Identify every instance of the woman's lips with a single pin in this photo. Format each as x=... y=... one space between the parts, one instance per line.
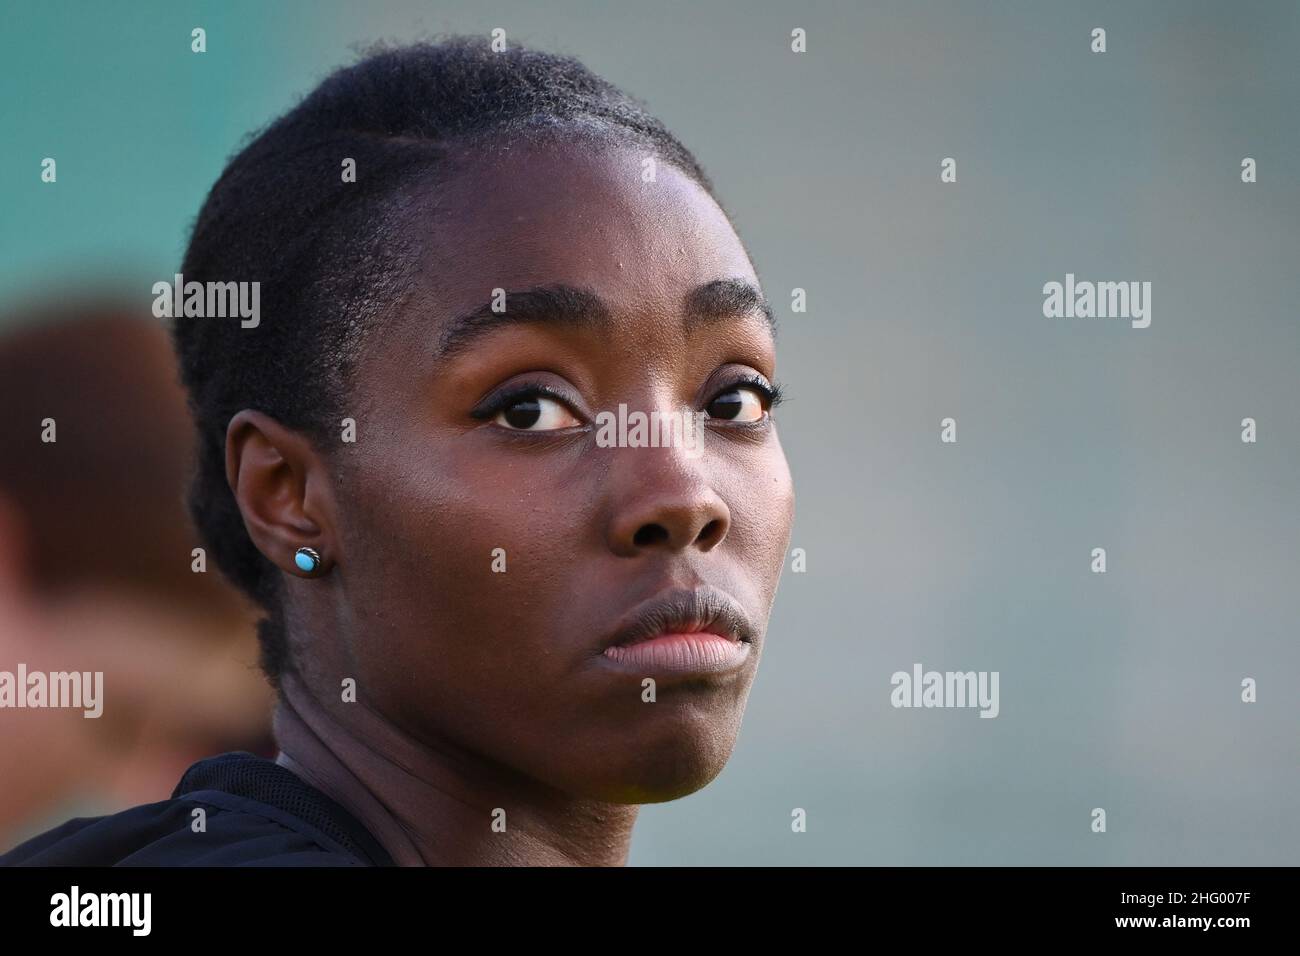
x=699 y=652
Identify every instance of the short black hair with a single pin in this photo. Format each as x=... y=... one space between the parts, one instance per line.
x=327 y=262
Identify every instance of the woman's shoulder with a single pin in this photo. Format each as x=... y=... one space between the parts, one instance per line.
x=235 y=809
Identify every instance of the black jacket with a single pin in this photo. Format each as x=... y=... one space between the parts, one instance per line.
x=255 y=813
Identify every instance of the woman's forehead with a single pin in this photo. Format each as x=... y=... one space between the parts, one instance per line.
x=566 y=214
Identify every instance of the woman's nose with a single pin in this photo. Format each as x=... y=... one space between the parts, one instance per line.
x=668 y=505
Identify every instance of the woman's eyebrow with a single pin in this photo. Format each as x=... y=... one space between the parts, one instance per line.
x=560 y=304
x=724 y=299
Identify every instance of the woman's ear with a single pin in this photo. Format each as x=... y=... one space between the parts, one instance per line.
x=283 y=490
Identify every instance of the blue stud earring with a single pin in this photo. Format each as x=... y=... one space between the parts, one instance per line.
x=307 y=559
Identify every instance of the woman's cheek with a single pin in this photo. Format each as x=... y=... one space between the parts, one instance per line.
x=765 y=490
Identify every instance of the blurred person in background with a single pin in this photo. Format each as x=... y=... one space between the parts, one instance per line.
x=96 y=573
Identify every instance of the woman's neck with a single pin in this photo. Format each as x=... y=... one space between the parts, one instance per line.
x=439 y=808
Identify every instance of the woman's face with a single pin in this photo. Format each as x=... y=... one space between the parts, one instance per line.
x=490 y=545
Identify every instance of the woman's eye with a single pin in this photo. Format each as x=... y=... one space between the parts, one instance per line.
x=740 y=404
x=536 y=413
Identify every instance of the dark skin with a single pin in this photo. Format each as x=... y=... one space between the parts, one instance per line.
x=478 y=690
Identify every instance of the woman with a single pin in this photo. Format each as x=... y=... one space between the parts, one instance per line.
x=492 y=635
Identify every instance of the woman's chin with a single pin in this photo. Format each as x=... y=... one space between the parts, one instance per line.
x=671 y=770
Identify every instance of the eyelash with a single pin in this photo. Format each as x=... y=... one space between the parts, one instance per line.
x=773 y=394
x=517 y=393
